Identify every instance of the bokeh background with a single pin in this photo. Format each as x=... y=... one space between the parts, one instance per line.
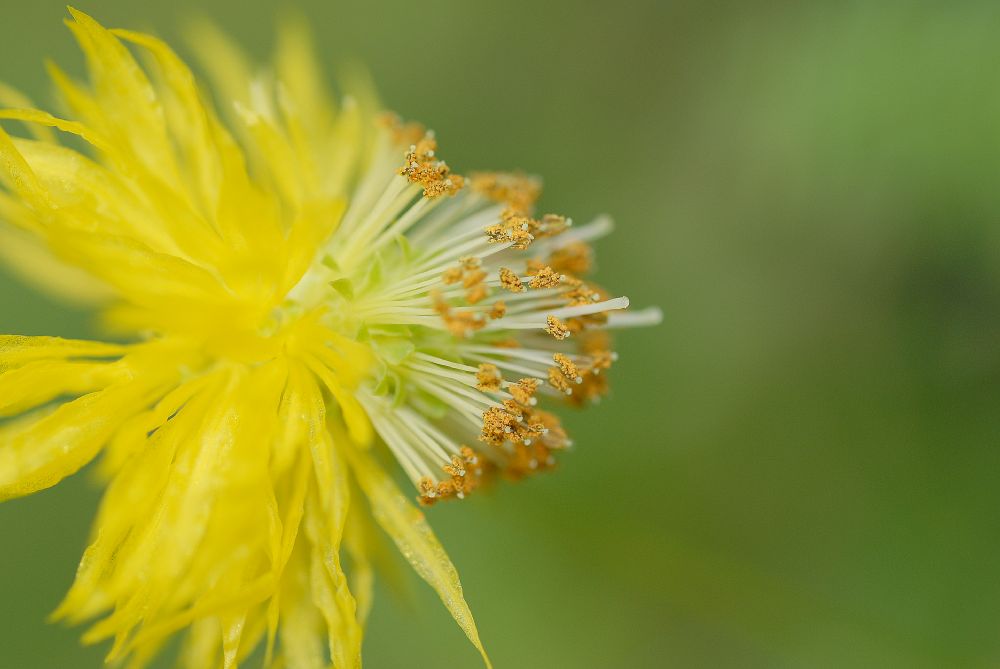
x=799 y=467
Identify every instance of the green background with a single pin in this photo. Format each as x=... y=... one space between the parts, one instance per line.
x=799 y=467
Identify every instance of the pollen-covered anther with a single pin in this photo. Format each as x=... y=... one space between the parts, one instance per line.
x=452 y=275
x=422 y=167
x=556 y=328
x=428 y=491
x=456 y=467
x=403 y=132
x=528 y=459
x=559 y=381
x=555 y=435
x=515 y=228
x=488 y=378
x=582 y=294
x=471 y=457
x=497 y=426
x=511 y=281
x=458 y=323
x=477 y=294
x=509 y=342
x=592 y=389
x=473 y=277
x=576 y=258
x=517 y=191
x=465 y=473
x=551 y=225
x=498 y=311
x=533 y=266
x=546 y=277
x=524 y=390
x=600 y=360
x=524 y=429
x=515 y=410
x=568 y=367
x=596 y=343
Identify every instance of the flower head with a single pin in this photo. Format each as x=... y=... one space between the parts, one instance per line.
x=306 y=285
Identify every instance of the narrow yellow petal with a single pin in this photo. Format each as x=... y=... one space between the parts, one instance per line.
x=326 y=513
x=301 y=624
x=193 y=125
x=406 y=525
x=16 y=174
x=362 y=572
x=10 y=97
x=201 y=645
x=41 y=381
x=125 y=94
x=47 y=120
x=32 y=262
x=37 y=454
x=232 y=633
x=355 y=417
x=16 y=350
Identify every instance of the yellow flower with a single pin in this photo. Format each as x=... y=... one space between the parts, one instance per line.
x=307 y=289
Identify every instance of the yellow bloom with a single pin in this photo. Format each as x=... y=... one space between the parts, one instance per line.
x=307 y=288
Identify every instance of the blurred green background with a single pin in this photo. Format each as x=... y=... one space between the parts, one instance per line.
x=799 y=468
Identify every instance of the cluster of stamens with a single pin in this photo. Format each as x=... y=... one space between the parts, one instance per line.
x=520 y=230
x=523 y=436
x=422 y=167
x=518 y=191
x=488 y=374
x=465 y=474
x=402 y=132
x=471 y=275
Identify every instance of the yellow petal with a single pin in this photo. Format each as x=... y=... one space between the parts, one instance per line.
x=124 y=93
x=32 y=262
x=17 y=350
x=37 y=454
x=41 y=381
x=406 y=525
x=362 y=572
x=326 y=513
x=201 y=645
x=301 y=624
x=41 y=449
x=10 y=97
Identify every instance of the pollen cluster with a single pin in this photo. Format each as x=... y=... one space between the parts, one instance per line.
x=422 y=166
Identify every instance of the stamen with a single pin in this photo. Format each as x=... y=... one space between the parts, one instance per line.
x=422 y=167
x=567 y=367
x=517 y=191
x=523 y=391
x=546 y=277
x=576 y=258
x=556 y=328
x=488 y=378
x=409 y=132
x=559 y=381
x=510 y=281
